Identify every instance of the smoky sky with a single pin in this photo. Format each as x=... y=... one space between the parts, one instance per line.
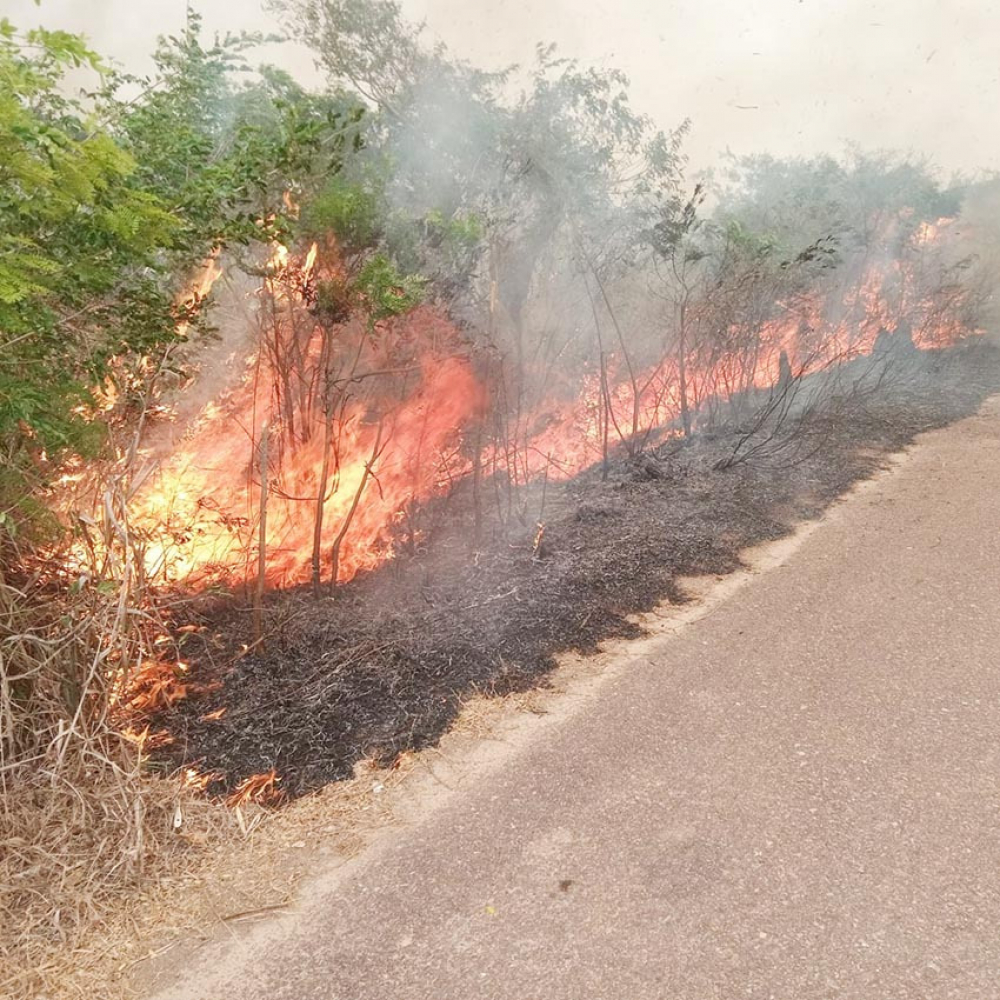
x=779 y=76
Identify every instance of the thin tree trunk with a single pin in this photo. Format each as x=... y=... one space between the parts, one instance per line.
x=605 y=414
x=632 y=442
x=258 y=601
x=477 y=485
x=338 y=541
x=682 y=373
x=324 y=475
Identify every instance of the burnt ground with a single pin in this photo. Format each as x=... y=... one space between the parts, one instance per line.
x=385 y=664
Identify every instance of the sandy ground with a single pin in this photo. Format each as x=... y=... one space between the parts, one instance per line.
x=789 y=790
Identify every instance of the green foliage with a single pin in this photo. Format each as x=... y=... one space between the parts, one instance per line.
x=218 y=156
x=474 y=165
x=461 y=232
x=862 y=200
x=366 y=46
x=385 y=292
x=674 y=223
x=335 y=301
x=77 y=244
x=349 y=211
x=108 y=204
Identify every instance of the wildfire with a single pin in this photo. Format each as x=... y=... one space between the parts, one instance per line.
x=313 y=463
x=199 y=780
x=360 y=426
x=201 y=287
x=562 y=438
x=363 y=424
x=205 y=496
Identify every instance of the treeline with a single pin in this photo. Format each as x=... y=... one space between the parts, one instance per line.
x=499 y=194
x=533 y=205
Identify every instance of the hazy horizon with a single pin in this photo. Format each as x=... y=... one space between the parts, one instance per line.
x=790 y=77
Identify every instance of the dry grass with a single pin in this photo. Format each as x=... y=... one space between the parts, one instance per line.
x=74 y=848
x=244 y=865
x=81 y=823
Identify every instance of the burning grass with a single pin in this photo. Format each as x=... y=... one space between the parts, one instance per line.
x=334 y=426
x=384 y=666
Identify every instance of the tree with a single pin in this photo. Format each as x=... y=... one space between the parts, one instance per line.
x=80 y=260
x=108 y=204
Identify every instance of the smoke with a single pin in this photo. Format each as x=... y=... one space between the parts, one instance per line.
x=791 y=78
x=975 y=248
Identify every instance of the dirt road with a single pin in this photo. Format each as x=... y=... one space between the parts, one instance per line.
x=795 y=797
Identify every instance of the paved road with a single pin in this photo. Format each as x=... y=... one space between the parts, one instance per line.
x=796 y=797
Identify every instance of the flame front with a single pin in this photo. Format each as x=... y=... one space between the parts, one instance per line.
x=363 y=422
x=394 y=439
x=562 y=436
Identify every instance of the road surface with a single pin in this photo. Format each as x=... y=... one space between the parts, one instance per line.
x=795 y=797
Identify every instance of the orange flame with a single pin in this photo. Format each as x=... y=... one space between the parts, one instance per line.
x=396 y=439
x=340 y=482
x=259 y=788
x=210 y=274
